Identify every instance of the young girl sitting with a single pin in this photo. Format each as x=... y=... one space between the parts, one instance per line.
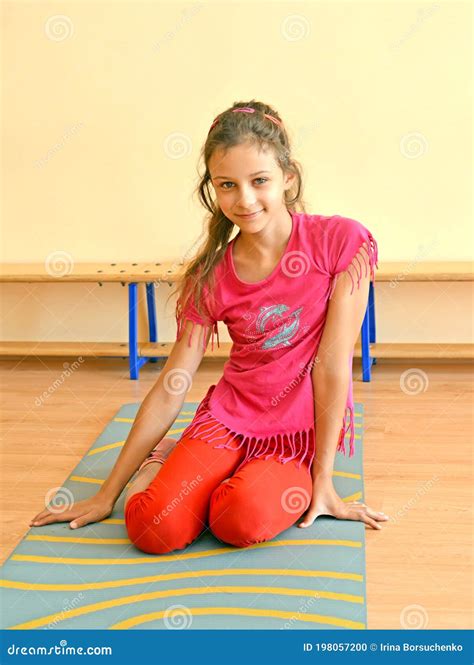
x=292 y=289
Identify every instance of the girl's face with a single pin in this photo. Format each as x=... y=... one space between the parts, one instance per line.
x=246 y=180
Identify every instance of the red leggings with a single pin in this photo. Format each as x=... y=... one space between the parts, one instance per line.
x=187 y=495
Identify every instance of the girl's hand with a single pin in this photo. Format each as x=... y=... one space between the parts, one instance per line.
x=326 y=501
x=84 y=512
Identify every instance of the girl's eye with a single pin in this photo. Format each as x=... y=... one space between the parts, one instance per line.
x=230 y=183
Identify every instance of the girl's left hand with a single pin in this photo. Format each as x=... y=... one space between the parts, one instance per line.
x=326 y=501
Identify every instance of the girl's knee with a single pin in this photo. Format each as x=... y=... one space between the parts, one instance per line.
x=238 y=519
x=154 y=531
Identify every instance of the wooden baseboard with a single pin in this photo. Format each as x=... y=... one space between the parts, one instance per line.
x=426 y=350
x=163 y=349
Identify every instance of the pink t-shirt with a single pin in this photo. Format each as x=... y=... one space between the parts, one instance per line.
x=265 y=396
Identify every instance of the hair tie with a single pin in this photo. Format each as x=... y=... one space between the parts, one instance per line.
x=246 y=109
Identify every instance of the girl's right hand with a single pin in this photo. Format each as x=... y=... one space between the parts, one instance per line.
x=94 y=509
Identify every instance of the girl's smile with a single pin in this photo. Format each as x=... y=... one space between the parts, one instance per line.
x=251 y=215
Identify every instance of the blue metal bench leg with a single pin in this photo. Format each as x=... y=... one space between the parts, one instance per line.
x=152 y=327
x=364 y=338
x=133 y=330
x=135 y=362
x=372 y=329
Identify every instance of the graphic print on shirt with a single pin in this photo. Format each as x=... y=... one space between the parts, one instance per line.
x=268 y=318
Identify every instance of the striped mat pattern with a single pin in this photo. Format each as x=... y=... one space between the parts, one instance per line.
x=94 y=578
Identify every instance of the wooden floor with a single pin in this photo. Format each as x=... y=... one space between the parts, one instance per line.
x=418 y=455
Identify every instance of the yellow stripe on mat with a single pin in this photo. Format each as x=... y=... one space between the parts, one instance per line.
x=346 y=474
x=240 y=611
x=100 y=481
x=353 y=497
x=36 y=558
x=191 y=591
x=101 y=449
x=130 y=581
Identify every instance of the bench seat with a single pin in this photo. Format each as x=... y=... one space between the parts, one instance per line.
x=153 y=273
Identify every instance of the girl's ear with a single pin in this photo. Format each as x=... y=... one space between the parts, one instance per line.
x=289 y=179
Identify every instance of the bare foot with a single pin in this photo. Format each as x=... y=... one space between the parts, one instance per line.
x=143 y=479
x=147 y=473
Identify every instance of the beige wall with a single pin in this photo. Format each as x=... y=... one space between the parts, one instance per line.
x=105 y=108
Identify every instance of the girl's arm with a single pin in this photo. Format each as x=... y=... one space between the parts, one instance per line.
x=156 y=415
x=158 y=410
x=331 y=375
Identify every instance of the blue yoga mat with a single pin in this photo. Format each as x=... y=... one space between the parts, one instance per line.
x=58 y=578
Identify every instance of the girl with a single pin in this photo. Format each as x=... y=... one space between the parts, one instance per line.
x=260 y=449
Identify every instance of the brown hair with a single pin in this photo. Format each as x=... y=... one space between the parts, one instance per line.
x=230 y=130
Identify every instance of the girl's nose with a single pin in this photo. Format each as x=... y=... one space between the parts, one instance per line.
x=247 y=200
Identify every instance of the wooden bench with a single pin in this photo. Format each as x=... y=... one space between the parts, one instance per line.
x=166 y=272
